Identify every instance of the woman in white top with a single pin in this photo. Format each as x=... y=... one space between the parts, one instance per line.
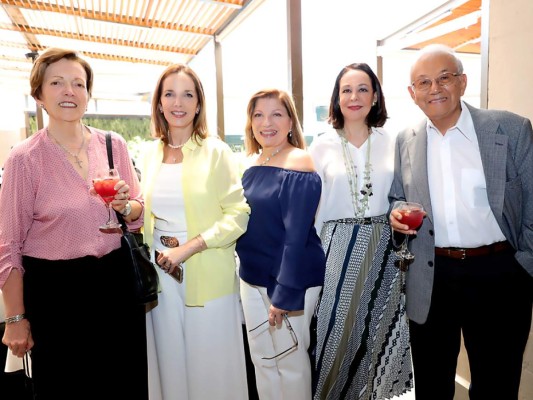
x=195 y=210
x=362 y=335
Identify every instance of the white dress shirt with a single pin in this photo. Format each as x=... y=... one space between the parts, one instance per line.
x=461 y=212
x=336 y=200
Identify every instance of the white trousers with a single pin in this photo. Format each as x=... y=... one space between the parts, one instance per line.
x=287 y=377
x=195 y=353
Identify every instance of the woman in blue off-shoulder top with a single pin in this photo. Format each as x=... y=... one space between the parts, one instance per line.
x=282 y=263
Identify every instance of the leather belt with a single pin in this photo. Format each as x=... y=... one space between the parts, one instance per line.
x=461 y=254
x=169 y=241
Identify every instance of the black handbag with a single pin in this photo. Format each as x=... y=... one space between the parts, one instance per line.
x=145 y=278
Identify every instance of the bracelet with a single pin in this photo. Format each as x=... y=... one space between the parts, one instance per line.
x=127 y=210
x=201 y=248
x=15 y=318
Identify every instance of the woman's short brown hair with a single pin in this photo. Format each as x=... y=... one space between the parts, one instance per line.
x=51 y=56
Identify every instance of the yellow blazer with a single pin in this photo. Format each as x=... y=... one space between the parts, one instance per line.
x=215 y=208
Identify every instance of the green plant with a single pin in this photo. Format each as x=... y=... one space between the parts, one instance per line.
x=129 y=126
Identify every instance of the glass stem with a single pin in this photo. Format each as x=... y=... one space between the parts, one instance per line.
x=403 y=247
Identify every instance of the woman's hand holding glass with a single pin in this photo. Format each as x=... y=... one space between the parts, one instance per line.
x=114 y=192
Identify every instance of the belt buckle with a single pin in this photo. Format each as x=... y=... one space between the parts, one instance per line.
x=169 y=241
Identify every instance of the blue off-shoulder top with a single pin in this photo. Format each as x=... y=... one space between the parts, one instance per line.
x=280 y=249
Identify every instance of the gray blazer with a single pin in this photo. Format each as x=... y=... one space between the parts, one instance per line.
x=506 y=146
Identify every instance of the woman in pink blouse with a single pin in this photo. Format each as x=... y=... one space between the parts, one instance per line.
x=64 y=283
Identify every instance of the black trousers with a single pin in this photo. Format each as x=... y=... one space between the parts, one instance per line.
x=489 y=300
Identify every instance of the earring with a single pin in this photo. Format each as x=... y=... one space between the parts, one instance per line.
x=41 y=105
x=290 y=134
x=161 y=109
x=374 y=103
x=197 y=110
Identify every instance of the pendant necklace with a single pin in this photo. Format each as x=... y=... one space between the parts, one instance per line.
x=360 y=204
x=270 y=157
x=173 y=146
x=174 y=159
x=77 y=155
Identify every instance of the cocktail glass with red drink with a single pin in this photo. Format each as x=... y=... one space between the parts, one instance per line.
x=104 y=185
x=412 y=216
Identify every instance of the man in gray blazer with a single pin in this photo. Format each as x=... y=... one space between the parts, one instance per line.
x=472 y=170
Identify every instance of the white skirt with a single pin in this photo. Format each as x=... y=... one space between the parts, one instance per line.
x=194 y=353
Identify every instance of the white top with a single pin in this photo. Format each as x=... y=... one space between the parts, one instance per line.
x=461 y=212
x=168 y=205
x=336 y=201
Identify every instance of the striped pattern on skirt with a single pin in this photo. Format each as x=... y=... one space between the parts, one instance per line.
x=363 y=349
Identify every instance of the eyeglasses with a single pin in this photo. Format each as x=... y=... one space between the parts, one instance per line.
x=443 y=80
x=291 y=331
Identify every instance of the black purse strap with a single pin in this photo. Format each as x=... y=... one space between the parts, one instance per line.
x=109 y=150
x=109 y=147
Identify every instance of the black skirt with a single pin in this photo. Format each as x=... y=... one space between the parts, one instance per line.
x=88 y=329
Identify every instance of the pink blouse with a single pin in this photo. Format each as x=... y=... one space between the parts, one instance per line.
x=46 y=210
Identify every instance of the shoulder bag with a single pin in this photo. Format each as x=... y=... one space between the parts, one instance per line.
x=145 y=278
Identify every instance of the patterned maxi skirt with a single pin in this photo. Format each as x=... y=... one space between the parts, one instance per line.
x=363 y=349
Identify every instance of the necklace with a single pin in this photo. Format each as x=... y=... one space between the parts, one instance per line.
x=175 y=159
x=179 y=146
x=77 y=155
x=270 y=157
x=173 y=146
x=360 y=205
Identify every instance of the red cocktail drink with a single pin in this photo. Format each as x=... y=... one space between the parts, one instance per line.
x=412 y=217
x=106 y=188
x=104 y=185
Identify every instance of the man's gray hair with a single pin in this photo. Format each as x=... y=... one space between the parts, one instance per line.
x=442 y=49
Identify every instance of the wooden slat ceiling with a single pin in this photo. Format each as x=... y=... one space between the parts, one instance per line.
x=157 y=32
x=456 y=24
x=163 y=32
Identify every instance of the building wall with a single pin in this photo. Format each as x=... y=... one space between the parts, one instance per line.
x=12 y=122
x=510 y=82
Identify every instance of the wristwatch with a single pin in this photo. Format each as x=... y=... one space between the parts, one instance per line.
x=127 y=210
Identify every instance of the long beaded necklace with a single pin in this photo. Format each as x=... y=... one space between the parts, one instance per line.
x=76 y=156
x=270 y=157
x=360 y=205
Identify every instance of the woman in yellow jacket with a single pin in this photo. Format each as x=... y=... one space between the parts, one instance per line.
x=194 y=212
